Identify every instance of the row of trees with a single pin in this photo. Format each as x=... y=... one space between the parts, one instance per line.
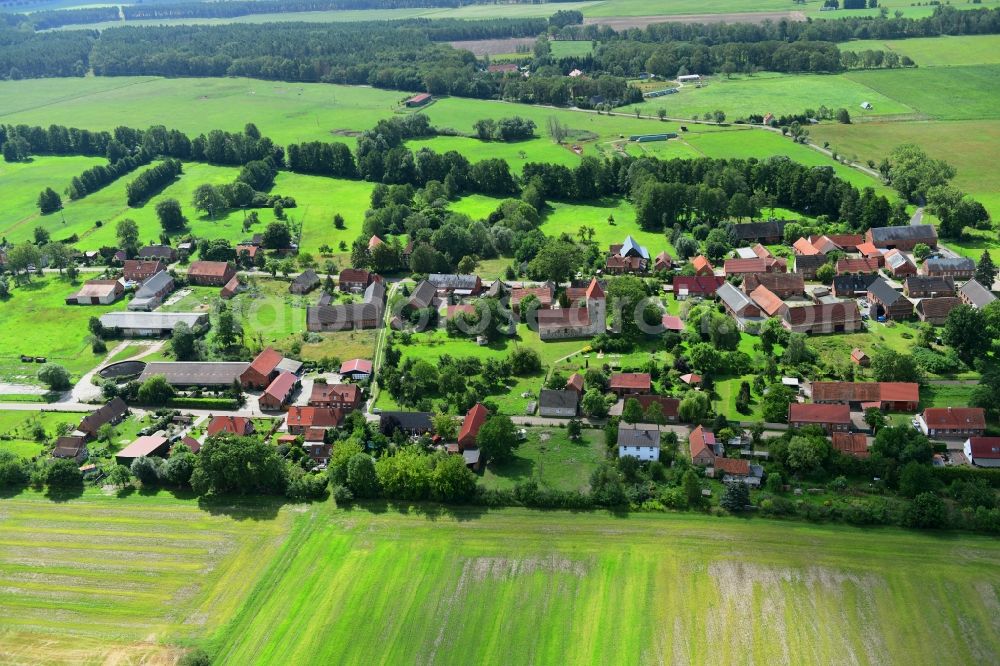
x=151 y=181
x=100 y=176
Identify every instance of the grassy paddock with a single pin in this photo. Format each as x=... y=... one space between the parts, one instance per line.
x=57 y=330
x=551 y=459
x=940 y=51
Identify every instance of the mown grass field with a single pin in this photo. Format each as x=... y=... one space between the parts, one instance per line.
x=775 y=93
x=940 y=51
x=36 y=321
x=968 y=145
x=953 y=93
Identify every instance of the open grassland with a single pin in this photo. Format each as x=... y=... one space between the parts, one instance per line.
x=969 y=145
x=93 y=219
x=107 y=580
x=953 y=93
x=937 y=51
x=36 y=321
x=779 y=94
x=102 y=579
x=551 y=459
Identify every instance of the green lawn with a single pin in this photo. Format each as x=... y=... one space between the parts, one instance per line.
x=775 y=93
x=35 y=320
x=549 y=458
x=936 y=395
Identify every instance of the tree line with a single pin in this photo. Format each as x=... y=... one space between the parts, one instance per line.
x=100 y=176
x=151 y=181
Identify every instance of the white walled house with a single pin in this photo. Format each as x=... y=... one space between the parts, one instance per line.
x=639 y=441
x=983 y=451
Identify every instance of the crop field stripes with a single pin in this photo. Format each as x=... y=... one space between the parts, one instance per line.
x=86 y=570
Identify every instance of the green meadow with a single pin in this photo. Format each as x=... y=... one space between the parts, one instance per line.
x=139 y=579
x=779 y=94
x=17 y=430
x=944 y=93
x=943 y=51
x=36 y=321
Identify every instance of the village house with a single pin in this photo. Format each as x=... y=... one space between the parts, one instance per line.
x=807 y=265
x=691 y=379
x=902 y=238
x=459 y=285
x=163 y=253
x=71 y=447
x=576 y=322
x=898 y=264
x=957 y=268
x=113 y=412
x=823 y=318
x=850 y=443
x=769 y=233
x=247 y=254
x=736 y=470
x=355 y=279
x=150 y=324
x=345 y=397
x=231 y=425
x=210 y=273
x=845 y=242
x=422 y=296
x=474 y=420
x=783 y=285
x=700 y=286
x=628 y=257
x=575 y=383
x=262 y=370
x=150 y=295
x=137 y=270
x=888 y=396
x=663 y=262
x=884 y=301
x=702 y=266
x=935 y=311
x=302 y=420
x=304 y=282
x=409 y=423
x=639 y=441
x=860 y=358
x=351 y=316
x=143 y=447
x=738 y=305
x=558 y=403
x=831 y=417
x=802 y=247
x=975 y=295
x=767 y=301
x=850 y=286
x=97 y=292
x=278 y=392
x=668 y=406
x=703 y=447
x=982 y=451
x=850 y=266
x=630 y=383
x=924 y=286
x=672 y=323
x=952 y=422
x=357 y=369
x=746 y=266
x=545 y=295
x=231 y=288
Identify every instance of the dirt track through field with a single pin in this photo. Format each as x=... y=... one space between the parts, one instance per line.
x=626 y=22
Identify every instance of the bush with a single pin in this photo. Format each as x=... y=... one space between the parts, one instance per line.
x=196 y=657
x=735 y=497
x=342 y=495
x=63 y=473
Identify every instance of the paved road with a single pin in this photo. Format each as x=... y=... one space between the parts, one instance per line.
x=918 y=217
